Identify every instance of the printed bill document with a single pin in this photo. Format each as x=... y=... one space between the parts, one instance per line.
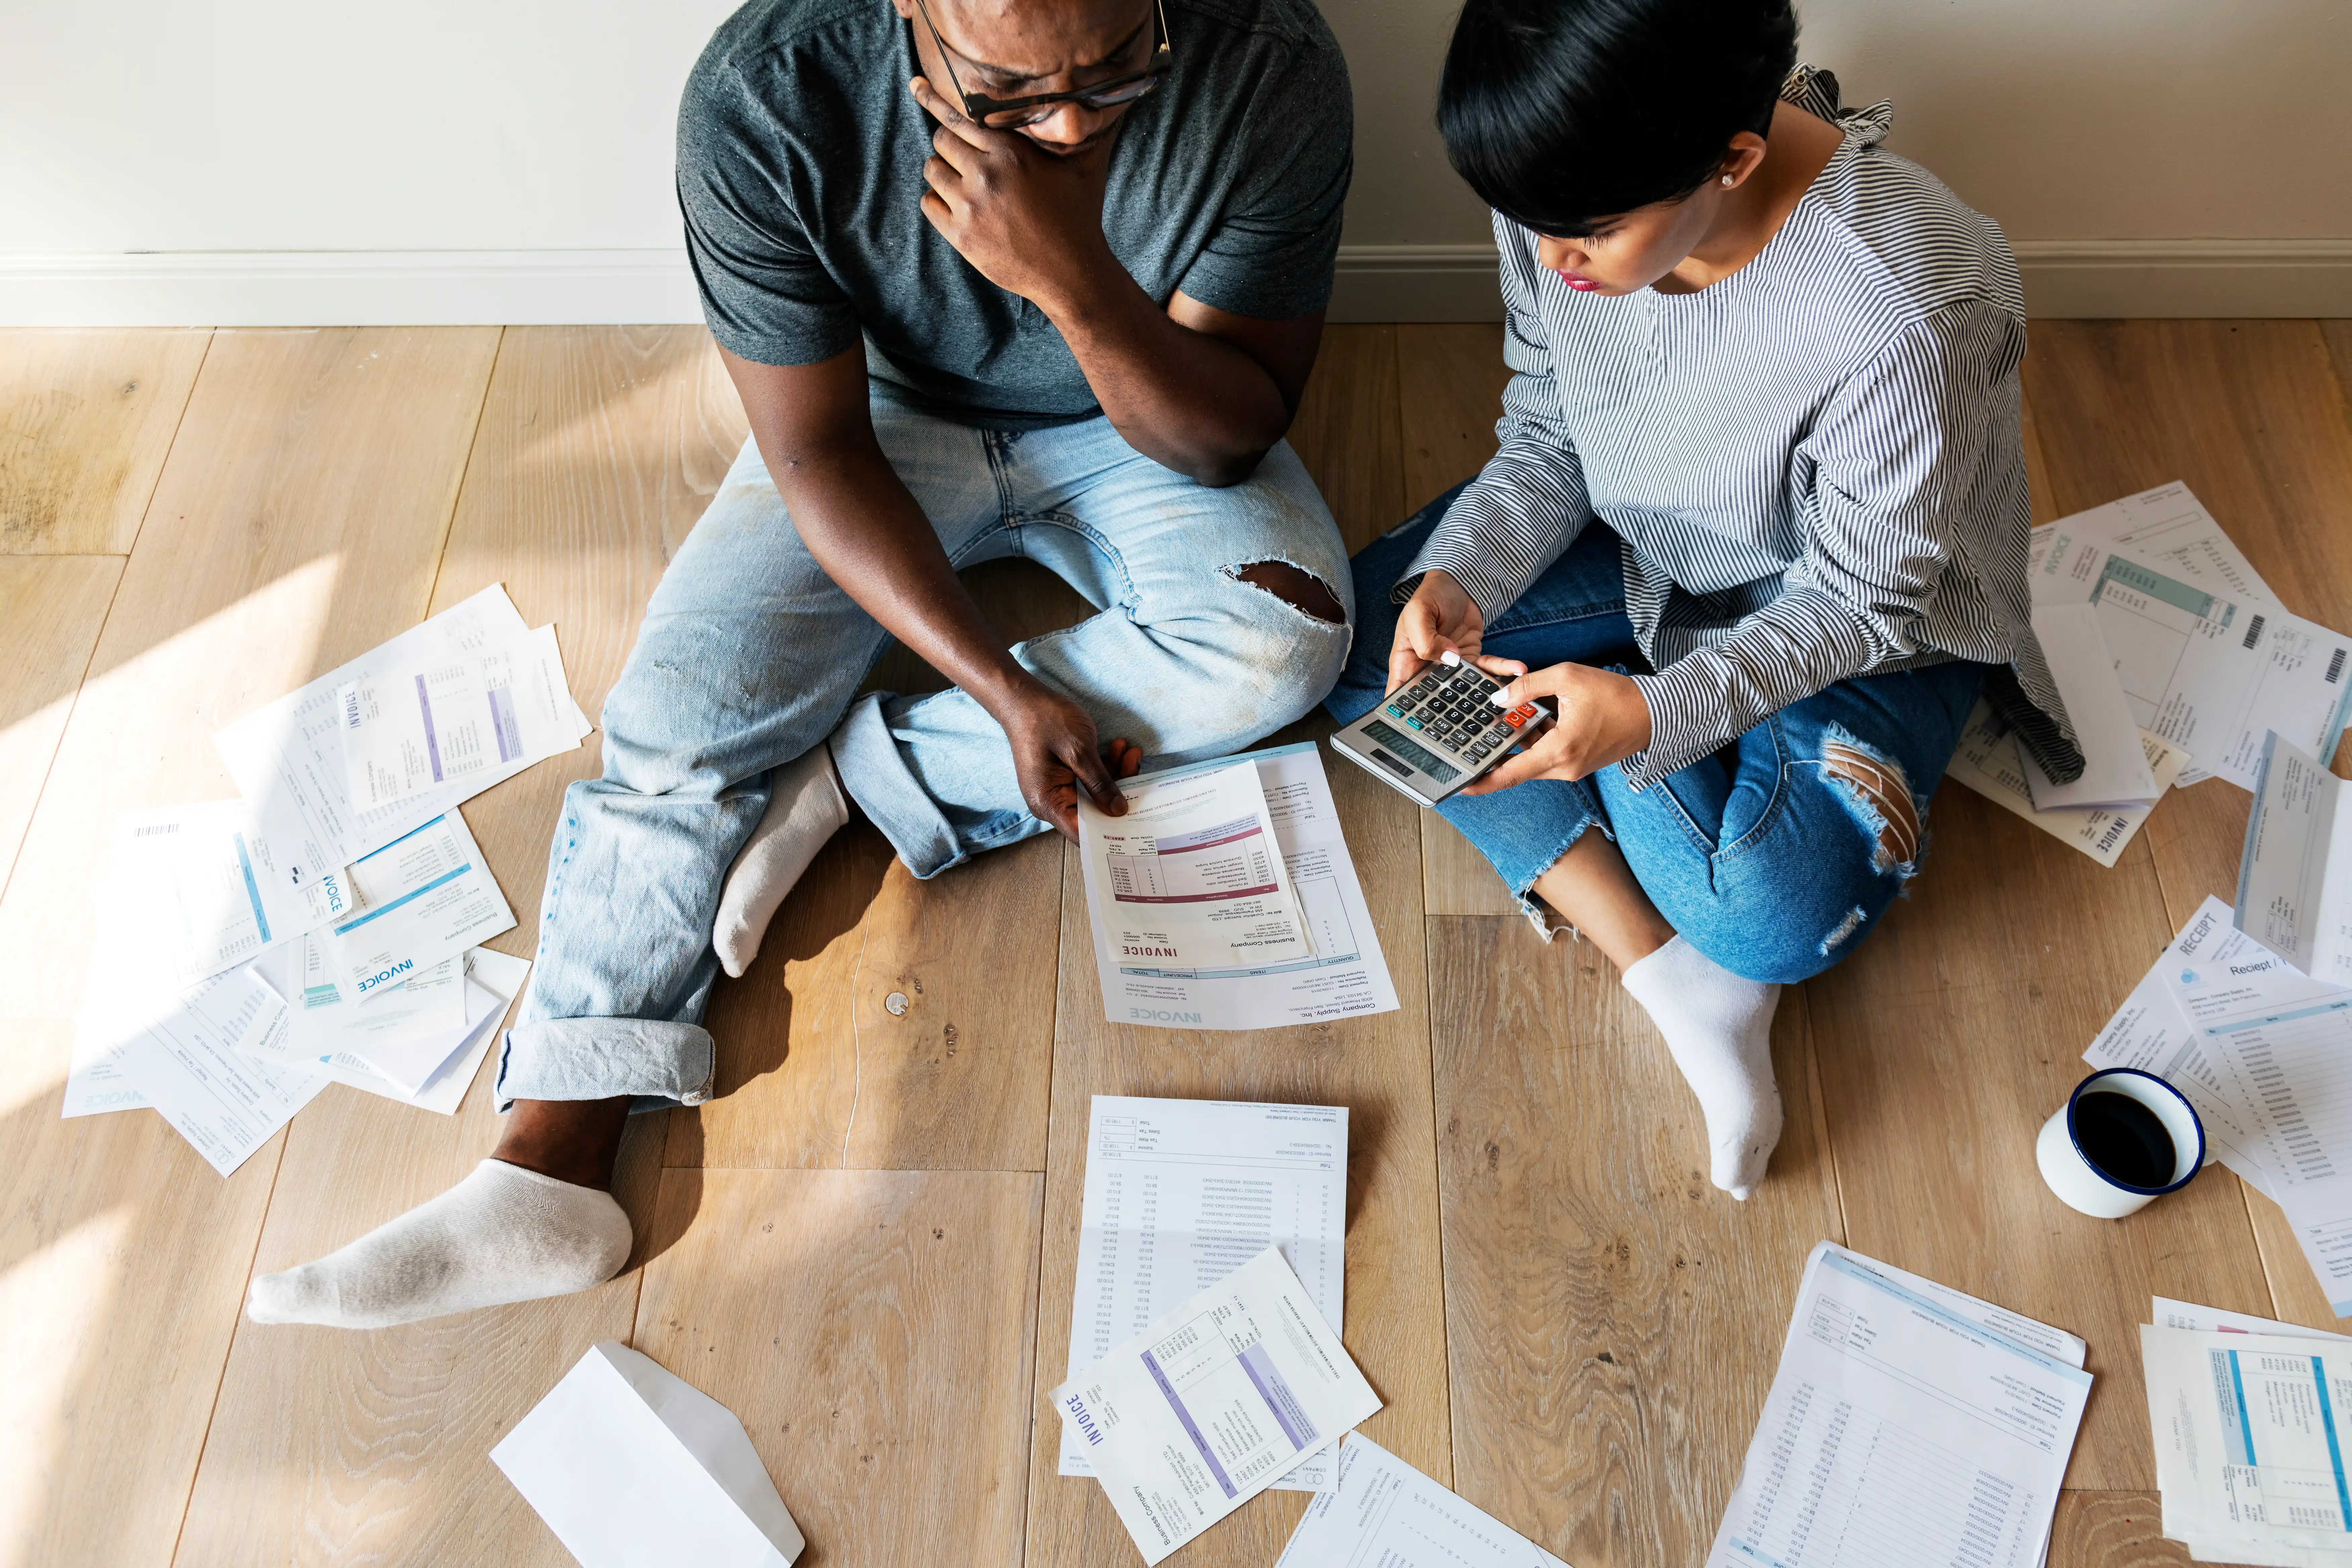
x=1212 y=1404
x=1179 y=1193
x=2294 y=881
x=1189 y=877
x=1340 y=975
x=2252 y=1424
x=1903 y=1430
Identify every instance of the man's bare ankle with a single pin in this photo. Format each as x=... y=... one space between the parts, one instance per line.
x=574 y=1140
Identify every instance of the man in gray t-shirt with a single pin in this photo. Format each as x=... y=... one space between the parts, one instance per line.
x=1040 y=277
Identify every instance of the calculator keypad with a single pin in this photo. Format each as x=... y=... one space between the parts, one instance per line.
x=1448 y=706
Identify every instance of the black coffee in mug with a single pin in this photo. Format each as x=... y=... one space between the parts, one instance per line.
x=2123 y=1140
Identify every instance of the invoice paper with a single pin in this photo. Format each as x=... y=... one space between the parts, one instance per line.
x=1212 y=1403
x=1386 y=1514
x=2171 y=528
x=288 y=758
x=421 y=899
x=2115 y=765
x=1988 y=761
x=2294 y=879
x=408 y=730
x=2209 y=673
x=198 y=891
x=1900 y=1433
x=1179 y=1193
x=1190 y=878
x=494 y=979
x=1345 y=976
x=326 y=1017
x=2251 y=1432
x=186 y=1064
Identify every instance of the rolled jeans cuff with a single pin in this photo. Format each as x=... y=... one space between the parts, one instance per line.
x=877 y=778
x=658 y=1064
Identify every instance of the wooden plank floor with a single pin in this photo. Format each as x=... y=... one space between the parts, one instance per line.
x=864 y=1246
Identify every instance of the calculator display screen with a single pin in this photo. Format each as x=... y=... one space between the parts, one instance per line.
x=1419 y=756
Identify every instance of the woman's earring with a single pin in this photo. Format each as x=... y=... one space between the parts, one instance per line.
x=1726 y=179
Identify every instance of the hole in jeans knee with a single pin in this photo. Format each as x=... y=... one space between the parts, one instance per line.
x=1881 y=797
x=1300 y=590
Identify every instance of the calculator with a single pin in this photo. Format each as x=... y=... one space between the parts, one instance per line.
x=1438 y=732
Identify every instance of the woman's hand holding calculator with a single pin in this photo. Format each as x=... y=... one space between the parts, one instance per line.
x=1602 y=718
x=1440 y=618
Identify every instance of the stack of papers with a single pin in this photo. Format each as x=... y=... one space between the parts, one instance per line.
x=2208 y=658
x=2264 y=1054
x=1908 y=1426
x=325 y=927
x=2251 y=1425
x=1179 y=1193
x=1386 y=1514
x=1226 y=898
x=1214 y=1403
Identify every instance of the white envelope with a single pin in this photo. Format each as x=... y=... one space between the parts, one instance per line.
x=631 y=1467
x=2115 y=770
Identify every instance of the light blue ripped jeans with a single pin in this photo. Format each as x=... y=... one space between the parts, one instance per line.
x=749 y=654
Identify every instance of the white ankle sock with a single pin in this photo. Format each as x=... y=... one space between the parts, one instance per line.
x=804 y=809
x=503 y=1234
x=1719 y=1029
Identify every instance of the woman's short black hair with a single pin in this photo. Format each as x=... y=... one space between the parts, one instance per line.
x=1559 y=112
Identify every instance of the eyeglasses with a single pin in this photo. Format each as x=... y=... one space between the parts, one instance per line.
x=1005 y=113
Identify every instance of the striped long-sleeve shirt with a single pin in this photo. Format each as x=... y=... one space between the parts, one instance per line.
x=1815 y=464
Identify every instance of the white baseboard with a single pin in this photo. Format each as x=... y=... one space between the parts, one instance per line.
x=1416 y=283
x=1375 y=283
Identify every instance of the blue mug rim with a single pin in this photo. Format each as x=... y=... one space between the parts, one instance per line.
x=2195 y=1120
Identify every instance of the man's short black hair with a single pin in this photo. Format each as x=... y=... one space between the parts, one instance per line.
x=1559 y=112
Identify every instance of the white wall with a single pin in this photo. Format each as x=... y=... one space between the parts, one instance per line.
x=509 y=160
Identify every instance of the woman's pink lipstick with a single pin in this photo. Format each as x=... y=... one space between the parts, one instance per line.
x=1585 y=284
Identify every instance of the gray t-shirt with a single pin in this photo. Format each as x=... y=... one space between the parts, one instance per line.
x=800 y=175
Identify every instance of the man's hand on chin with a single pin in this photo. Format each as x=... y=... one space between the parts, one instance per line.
x=1030 y=221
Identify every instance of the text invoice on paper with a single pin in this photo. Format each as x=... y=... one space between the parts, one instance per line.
x=1344 y=977
x=1214 y=1403
x=1179 y=1193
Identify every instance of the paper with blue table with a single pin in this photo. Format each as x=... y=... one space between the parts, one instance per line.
x=1334 y=970
x=2252 y=1423
x=1908 y=1426
x=2208 y=658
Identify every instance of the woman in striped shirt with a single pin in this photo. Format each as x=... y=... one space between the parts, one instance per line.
x=1758 y=523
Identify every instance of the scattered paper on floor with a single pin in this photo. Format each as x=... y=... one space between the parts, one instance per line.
x=288 y=757
x=1385 y=1512
x=1214 y=1403
x=1902 y=1430
x=1988 y=760
x=1178 y=1193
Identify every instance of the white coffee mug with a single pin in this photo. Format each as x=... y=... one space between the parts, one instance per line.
x=2082 y=1185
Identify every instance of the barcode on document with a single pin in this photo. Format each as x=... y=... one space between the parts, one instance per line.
x=2253 y=631
x=174 y=827
x=2335 y=667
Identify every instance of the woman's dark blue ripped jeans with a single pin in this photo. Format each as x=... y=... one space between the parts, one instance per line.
x=1775 y=868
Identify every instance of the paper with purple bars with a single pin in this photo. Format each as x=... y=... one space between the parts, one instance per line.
x=1212 y=1404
